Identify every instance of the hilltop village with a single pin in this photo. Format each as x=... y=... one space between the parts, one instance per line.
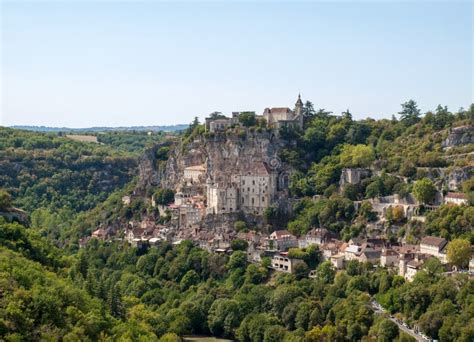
x=227 y=179
x=293 y=225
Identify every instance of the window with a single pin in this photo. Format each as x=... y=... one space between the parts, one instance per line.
x=253 y=182
x=263 y=199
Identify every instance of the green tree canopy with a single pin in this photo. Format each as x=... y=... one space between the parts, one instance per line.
x=424 y=190
x=248 y=119
x=357 y=155
x=459 y=252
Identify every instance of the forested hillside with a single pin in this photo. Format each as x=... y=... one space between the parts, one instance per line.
x=50 y=171
x=115 y=292
x=400 y=152
x=111 y=290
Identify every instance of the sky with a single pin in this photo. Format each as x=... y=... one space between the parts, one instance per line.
x=106 y=63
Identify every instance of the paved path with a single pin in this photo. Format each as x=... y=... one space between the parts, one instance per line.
x=379 y=310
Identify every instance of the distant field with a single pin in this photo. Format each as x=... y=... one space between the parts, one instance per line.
x=83 y=138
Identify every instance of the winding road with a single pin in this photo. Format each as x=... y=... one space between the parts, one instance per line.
x=379 y=310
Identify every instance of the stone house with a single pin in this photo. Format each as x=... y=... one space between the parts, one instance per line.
x=317 y=236
x=219 y=125
x=352 y=252
x=370 y=255
x=434 y=246
x=337 y=261
x=281 y=240
x=331 y=248
x=389 y=257
x=251 y=237
x=456 y=198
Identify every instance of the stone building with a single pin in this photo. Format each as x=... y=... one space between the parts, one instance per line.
x=456 y=198
x=281 y=240
x=250 y=191
x=279 y=117
x=194 y=173
x=257 y=188
x=353 y=175
x=433 y=245
x=317 y=236
x=221 y=124
x=389 y=257
x=221 y=199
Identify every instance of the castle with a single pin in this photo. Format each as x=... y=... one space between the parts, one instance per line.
x=283 y=116
x=276 y=118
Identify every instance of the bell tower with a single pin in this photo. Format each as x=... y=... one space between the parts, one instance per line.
x=298 y=106
x=299 y=111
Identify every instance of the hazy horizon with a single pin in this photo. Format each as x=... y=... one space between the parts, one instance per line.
x=90 y=64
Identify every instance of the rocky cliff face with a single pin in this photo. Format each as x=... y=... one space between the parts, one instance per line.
x=15 y=215
x=224 y=155
x=150 y=168
x=448 y=178
x=459 y=136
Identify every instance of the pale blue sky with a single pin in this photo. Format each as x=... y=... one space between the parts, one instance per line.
x=82 y=64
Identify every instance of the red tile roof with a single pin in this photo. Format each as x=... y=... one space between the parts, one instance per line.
x=433 y=241
x=457 y=195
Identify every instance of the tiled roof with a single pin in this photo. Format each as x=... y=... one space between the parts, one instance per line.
x=352 y=249
x=280 y=234
x=276 y=110
x=415 y=263
x=433 y=241
x=456 y=195
x=388 y=251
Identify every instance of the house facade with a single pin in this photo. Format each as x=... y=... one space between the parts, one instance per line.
x=281 y=262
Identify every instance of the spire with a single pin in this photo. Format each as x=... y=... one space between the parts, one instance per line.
x=299 y=103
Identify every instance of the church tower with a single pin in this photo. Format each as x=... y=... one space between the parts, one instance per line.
x=299 y=106
x=299 y=111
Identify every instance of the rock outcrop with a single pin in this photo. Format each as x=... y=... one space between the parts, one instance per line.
x=448 y=178
x=15 y=215
x=224 y=155
x=150 y=168
x=462 y=135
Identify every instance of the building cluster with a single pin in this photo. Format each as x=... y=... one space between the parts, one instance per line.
x=146 y=232
x=275 y=118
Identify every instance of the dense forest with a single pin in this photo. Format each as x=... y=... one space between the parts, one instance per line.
x=110 y=291
x=116 y=292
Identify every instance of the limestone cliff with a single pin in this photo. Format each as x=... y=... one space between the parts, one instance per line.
x=459 y=136
x=225 y=154
x=150 y=168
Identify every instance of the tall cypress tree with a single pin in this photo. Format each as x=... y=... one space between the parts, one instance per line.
x=114 y=302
